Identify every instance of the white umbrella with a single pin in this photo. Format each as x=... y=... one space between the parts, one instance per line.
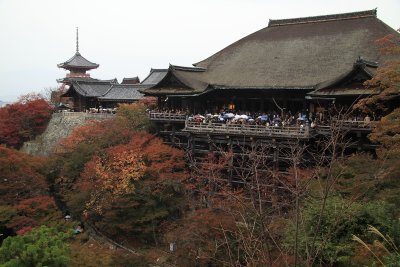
x=244 y=117
x=229 y=115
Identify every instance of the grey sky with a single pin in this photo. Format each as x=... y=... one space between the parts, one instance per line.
x=127 y=38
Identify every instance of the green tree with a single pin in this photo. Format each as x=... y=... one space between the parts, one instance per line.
x=43 y=246
x=342 y=219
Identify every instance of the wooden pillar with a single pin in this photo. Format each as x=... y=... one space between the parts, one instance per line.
x=230 y=171
x=275 y=154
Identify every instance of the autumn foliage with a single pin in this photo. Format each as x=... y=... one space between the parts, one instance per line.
x=24 y=199
x=386 y=79
x=142 y=174
x=118 y=177
x=23 y=120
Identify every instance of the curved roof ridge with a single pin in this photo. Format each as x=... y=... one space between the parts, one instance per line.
x=158 y=70
x=184 y=68
x=313 y=19
x=111 y=87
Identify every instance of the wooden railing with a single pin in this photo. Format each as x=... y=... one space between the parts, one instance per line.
x=250 y=130
x=167 y=116
x=260 y=130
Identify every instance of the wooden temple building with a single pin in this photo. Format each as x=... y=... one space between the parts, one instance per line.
x=296 y=64
x=299 y=65
x=83 y=92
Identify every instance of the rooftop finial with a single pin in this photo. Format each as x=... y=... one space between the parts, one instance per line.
x=77 y=40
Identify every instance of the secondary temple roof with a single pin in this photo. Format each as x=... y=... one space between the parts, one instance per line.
x=299 y=53
x=123 y=92
x=107 y=90
x=155 y=76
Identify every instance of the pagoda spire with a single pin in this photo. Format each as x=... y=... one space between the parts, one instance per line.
x=78 y=65
x=77 y=40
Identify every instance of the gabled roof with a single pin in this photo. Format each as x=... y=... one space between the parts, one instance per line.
x=178 y=80
x=123 y=92
x=298 y=53
x=78 y=62
x=133 y=80
x=349 y=83
x=90 y=88
x=107 y=90
x=155 y=76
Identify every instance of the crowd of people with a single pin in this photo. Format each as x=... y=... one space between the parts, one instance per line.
x=266 y=119
x=271 y=118
x=102 y=110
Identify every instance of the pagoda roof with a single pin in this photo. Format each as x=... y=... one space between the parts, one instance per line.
x=69 y=80
x=78 y=62
x=299 y=53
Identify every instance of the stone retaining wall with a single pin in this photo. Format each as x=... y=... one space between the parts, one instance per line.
x=59 y=127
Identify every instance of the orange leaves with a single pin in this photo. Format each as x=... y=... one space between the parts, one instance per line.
x=389 y=44
x=88 y=133
x=114 y=172
x=99 y=134
x=387 y=79
x=113 y=175
x=122 y=179
x=387 y=131
x=35 y=205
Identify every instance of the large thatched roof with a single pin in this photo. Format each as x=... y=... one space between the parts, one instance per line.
x=296 y=53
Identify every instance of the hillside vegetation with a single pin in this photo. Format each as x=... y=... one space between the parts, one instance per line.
x=137 y=197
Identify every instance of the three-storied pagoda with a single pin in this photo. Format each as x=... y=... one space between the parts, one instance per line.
x=86 y=93
x=78 y=65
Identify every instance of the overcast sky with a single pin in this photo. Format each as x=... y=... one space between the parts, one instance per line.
x=127 y=38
